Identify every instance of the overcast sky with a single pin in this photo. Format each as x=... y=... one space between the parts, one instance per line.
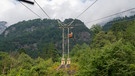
x=12 y=11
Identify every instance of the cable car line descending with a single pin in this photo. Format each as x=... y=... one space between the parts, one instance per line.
x=82 y=12
x=42 y=9
x=86 y=9
x=110 y=15
x=30 y=10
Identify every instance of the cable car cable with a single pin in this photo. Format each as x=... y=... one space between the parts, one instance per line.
x=31 y=10
x=86 y=9
x=42 y=9
x=82 y=13
x=110 y=15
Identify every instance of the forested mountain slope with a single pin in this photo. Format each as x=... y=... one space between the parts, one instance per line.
x=34 y=35
x=109 y=24
x=2 y=26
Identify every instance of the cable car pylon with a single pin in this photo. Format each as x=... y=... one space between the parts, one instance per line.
x=64 y=63
x=69 y=36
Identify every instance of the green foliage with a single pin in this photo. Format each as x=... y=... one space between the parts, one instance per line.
x=113 y=60
x=77 y=51
x=24 y=61
x=96 y=29
x=5 y=62
x=112 y=52
x=41 y=68
x=101 y=39
x=49 y=51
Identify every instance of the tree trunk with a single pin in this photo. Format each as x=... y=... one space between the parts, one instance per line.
x=3 y=70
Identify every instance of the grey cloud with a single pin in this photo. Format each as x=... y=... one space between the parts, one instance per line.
x=62 y=9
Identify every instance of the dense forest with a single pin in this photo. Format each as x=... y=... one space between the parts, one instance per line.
x=110 y=52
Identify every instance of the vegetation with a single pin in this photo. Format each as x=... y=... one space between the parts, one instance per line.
x=111 y=53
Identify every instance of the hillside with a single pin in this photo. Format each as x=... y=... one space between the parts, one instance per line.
x=109 y=24
x=2 y=26
x=33 y=35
